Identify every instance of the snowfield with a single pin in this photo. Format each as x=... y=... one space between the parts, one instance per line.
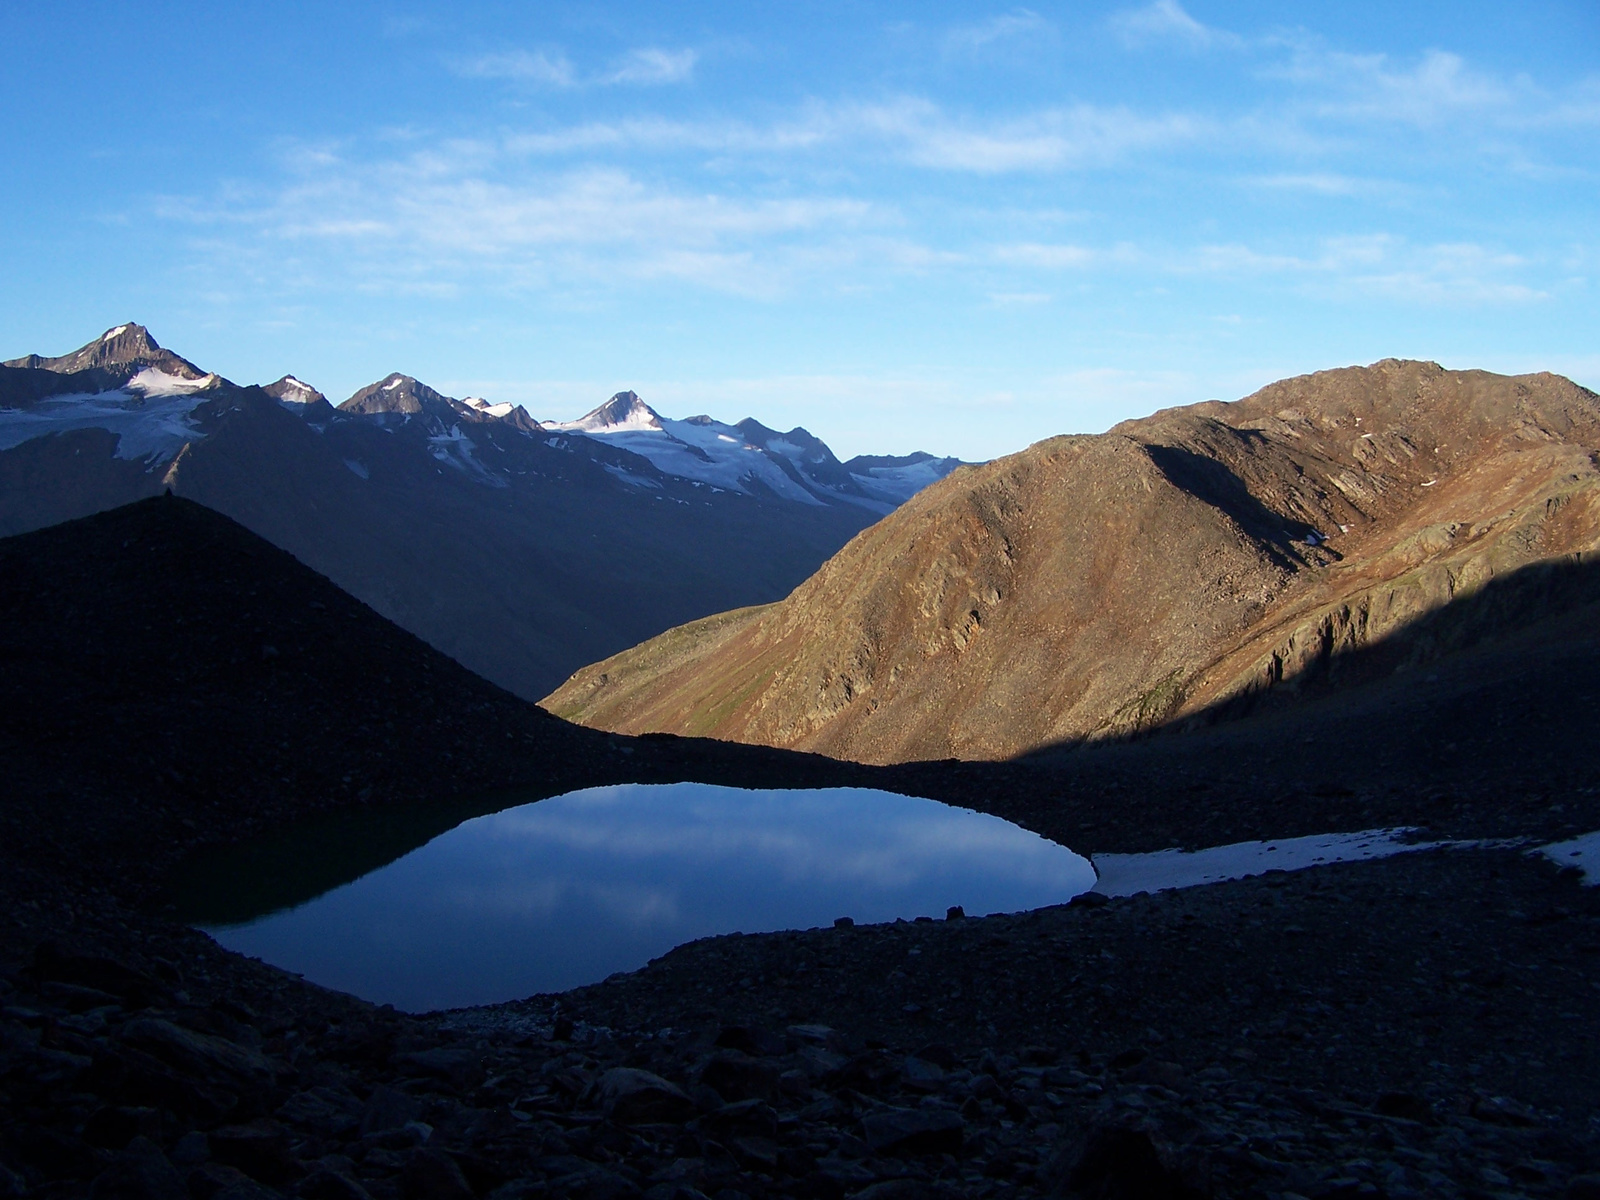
x=150 y=415
x=700 y=449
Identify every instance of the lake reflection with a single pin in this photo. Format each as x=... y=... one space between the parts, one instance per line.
x=565 y=891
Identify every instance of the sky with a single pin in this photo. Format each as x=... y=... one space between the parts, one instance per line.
x=951 y=227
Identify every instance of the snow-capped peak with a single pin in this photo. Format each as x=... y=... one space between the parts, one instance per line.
x=504 y=409
x=623 y=413
x=296 y=395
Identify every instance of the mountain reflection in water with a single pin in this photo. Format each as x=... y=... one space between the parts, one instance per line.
x=565 y=891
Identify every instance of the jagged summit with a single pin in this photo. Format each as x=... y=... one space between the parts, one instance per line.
x=394 y=393
x=290 y=390
x=810 y=447
x=300 y=398
x=623 y=412
x=116 y=350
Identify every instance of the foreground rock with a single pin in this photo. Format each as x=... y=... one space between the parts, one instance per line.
x=1358 y=1030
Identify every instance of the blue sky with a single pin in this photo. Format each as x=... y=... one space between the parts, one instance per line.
x=952 y=227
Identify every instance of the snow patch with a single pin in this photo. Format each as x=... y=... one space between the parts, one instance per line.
x=638 y=417
x=629 y=477
x=899 y=484
x=155 y=382
x=700 y=450
x=296 y=393
x=150 y=426
x=1129 y=874
x=117 y=332
x=357 y=469
x=1582 y=852
x=493 y=410
x=456 y=449
x=392 y=384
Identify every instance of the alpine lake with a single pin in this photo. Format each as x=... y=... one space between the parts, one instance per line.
x=503 y=898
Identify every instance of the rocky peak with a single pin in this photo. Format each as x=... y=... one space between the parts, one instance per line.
x=290 y=390
x=813 y=450
x=623 y=411
x=125 y=346
x=394 y=393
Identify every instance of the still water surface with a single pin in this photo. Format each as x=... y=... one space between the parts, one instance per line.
x=563 y=892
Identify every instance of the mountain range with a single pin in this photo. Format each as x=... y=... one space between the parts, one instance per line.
x=523 y=549
x=1177 y=569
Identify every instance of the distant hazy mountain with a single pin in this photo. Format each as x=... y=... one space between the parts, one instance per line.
x=1177 y=568
x=524 y=550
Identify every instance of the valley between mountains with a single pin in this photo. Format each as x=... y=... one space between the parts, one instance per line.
x=1359 y=599
x=522 y=549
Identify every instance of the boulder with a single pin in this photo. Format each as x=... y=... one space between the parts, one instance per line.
x=459 y=1067
x=140 y=1172
x=737 y=1076
x=1124 y=1164
x=901 y=1131
x=258 y=1148
x=637 y=1097
x=431 y=1174
x=212 y=1058
x=752 y=1040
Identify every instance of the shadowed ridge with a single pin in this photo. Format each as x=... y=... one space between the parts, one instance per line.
x=171 y=680
x=164 y=633
x=1532 y=609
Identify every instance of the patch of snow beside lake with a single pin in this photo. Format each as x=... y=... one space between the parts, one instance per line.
x=1582 y=852
x=1129 y=874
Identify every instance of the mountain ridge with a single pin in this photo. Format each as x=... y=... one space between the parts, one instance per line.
x=520 y=550
x=1098 y=586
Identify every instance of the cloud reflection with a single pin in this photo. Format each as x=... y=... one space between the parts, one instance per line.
x=567 y=890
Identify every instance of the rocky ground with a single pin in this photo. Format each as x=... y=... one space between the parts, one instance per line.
x=1280 y=1036
x=1419 y=1026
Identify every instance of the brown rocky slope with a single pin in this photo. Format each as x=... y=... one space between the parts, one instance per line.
x=1172 y=569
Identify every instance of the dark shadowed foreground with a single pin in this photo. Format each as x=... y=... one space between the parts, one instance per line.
x=1419 y=1026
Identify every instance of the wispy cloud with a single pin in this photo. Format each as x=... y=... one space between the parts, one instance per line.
x=1438 y=86
x=653 y=65
x=533 y=66
x=643 y=66
x=1021 y=22
x=912 y=129
x=1327 y=183
x=1080 y=136
x=1047 y=257
x=1379 y=265
x=1012 y=299
x=1167 y=20
x=469 y=210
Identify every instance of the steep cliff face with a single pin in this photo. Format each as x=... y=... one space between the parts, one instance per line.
x=1171 y=568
